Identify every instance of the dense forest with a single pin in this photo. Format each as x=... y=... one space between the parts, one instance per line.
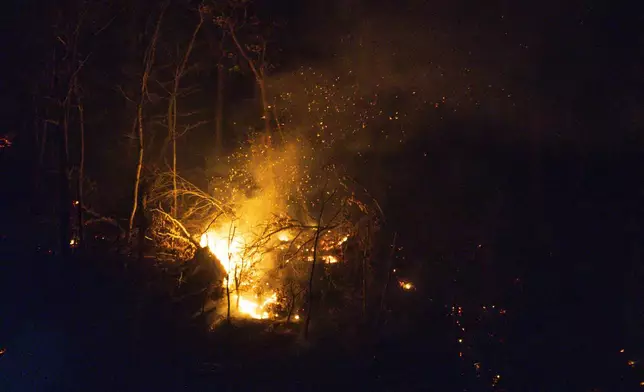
x=287 y=195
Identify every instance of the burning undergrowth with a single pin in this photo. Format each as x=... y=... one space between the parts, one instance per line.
x=279 y=223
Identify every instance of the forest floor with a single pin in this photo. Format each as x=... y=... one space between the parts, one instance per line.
x=84 y=325
x=76 y=325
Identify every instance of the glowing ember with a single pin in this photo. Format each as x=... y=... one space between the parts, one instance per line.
x=406 y=285
x=5 y=142
x=330 y=259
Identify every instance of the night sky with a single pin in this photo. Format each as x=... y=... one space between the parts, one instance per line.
x=503 y=141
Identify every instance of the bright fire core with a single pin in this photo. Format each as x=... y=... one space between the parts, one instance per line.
x=234 y=251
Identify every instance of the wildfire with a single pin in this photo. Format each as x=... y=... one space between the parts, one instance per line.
x=255 y=309
x=406 y=285
x=261 y=216
x=238 y=256
x=330 y=259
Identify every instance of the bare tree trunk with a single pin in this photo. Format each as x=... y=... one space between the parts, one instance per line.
x=175 y=207
x=291 y=304
x=236 y=288
x=148 y=63
x=142 y=223
x=292 y=301
x=260 y=77
x=265 y=107
x=318 y=230
x=231 y=237
x=383 y=298
x=64 y=201
x=310 y=293
x=172 y=112
x=228 y=298
x=52 y=86
x=219 y=107
x=81 y=174
x=139 y=165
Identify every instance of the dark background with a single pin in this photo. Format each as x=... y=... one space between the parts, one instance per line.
x=523 y=188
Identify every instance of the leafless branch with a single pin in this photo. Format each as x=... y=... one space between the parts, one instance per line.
x=178 y=224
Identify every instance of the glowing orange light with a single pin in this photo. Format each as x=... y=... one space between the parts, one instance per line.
x=330 y=259
x=229 y=247
x=406 y=285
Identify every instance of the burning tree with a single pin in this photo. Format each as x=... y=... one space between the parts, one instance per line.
x=290 y=230
x=270 y=223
